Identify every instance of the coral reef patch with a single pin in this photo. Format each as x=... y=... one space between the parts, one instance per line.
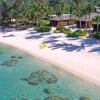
x=56 y=98
x=12 y=61
x=48 y=90
x=41 y=76
x=85 y=98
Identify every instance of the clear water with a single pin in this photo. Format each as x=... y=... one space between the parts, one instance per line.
x=11 y=85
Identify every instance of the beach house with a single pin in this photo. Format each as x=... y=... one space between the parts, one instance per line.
x=64 y=19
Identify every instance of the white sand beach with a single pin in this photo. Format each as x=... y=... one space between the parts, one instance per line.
x=65 y=52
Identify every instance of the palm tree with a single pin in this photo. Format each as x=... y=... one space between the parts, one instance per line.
x=4 y=13
x=79 y=13
x=97 y=21
x=75 y=8
x=77 y=2
x=89 y=8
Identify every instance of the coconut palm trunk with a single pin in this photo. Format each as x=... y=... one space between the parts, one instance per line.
x=98 y=22
x=89 y=23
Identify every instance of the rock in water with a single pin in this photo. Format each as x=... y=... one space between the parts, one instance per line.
x=13 y=56
x=11 y=62
x=24 y=98
x=85 y=98
x=56 y=98
x=47 y=90
x=13 y=99
x=32 y=82
x=20 y=57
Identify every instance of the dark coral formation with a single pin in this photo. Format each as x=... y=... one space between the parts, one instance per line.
x=12 y=61
x=41 y=76
x=85 y=98
x=13 y=57
x=17 y=57
x=56 y=98
x=20 y=57
x=13 y=99
x=24 y=98
x=48 y=90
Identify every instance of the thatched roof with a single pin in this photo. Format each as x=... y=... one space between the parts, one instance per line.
x=86 y=17
x=62 y=17
x=70 y=16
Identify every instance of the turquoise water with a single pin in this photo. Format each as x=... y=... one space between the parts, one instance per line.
x=13 y=86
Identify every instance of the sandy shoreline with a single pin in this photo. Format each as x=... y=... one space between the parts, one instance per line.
x=82 y=64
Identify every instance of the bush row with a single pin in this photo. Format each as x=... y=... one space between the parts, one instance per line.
x=96 y=34
x=43 y=26
x=76 y=33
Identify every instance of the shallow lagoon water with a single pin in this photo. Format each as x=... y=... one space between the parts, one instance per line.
x=12 y=86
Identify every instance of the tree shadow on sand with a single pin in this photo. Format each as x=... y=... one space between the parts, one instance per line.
x=57 y=42
x=89 y=42
x=97 y=49
x=36 y=35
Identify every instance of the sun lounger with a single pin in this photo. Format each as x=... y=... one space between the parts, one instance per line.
x=43 y=45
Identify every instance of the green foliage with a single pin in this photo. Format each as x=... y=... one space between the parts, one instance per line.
x=43 y=29
x=61 y=29
x=78 y=33
x=96 y=35
x=64 y=30
x=84 y=33
x=44 y=26
x=32 y=11
x=75 y=34
x=67 y=31
x=96 y=19
x=44 y=23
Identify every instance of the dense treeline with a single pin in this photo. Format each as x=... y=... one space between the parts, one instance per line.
x=30 y=12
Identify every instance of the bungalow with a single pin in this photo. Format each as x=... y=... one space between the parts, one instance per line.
x=97 y=9
x=96 y=26
x=69 y=19
x=85 y=21
x=64 y=19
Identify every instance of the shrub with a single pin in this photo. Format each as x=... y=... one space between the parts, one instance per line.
x=64 y=30
x=78 y=33
x=84 y=33
x=67 y=31
x=61 y=29
x=96 y=35
x=43 y=29
x=44 y=23
x=44 y=26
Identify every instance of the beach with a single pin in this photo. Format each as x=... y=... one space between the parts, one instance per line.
x=62 y=51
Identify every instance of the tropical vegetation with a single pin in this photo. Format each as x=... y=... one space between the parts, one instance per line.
x=24 y=13
x=96 y=35
x=78 y=33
